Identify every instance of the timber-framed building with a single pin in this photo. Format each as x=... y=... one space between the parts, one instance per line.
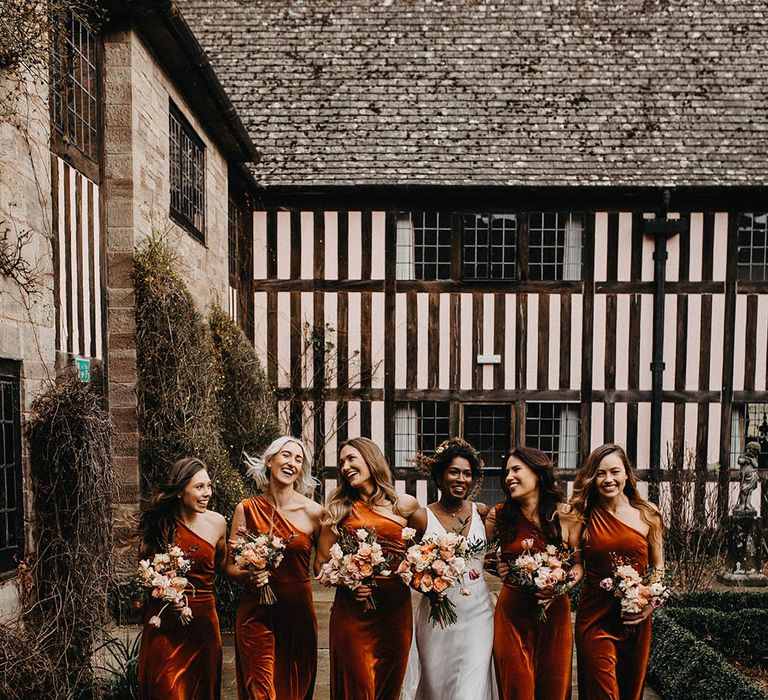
x=460 y=207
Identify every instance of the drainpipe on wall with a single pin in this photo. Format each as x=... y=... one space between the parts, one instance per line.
x=661 y=228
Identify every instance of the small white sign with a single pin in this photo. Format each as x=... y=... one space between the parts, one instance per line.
x=489 y=359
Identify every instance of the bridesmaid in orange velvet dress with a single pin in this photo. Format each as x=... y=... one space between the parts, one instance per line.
x=368 y=649
x=276 y=645
x=612 y=650
x=532 y=657
x=179 y=662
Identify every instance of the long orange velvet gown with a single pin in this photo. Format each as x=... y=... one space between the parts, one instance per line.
x=276 y=645
x=179 y=662
x=532 y=657
x=612 y=658
x=369 y=649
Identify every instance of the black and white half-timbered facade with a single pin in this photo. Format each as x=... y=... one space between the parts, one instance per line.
x=460 y=208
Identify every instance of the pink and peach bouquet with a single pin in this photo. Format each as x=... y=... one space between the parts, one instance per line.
x=434 y=565
x=546 y=571
x=164 y=577
x=258 y=551
x=356 y=558
x=636 y=591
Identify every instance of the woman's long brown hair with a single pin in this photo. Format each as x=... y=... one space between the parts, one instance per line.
x=585 y=496
x=343 y=497
x=156 y=526
x=550 y=497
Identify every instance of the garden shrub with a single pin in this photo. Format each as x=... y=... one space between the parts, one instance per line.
x=64 y=584
x=725 y=601
x=244 y=397
x=682 y=667
x=178 y=411
x=26 y=669
x=739 y=635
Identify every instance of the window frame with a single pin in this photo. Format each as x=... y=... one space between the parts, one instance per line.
x=10 y=373
x=742 y=431
x=419 y=433
x=489 y=246
x=744 y=270
x=176 y=214
x=411 y=260
x=518 y=269
x=61 y=92
x=536 y=442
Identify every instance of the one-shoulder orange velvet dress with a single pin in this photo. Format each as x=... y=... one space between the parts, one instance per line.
x=369 y=649
x=276 y=645
x=532 y=657
x=612 y=658
x=179 y=662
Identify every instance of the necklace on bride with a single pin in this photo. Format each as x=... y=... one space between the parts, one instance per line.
x=454 y=514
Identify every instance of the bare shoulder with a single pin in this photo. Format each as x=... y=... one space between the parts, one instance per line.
x=407 y=504
x=655 y=512
x=213 y=517
x=483 y=510
x=418 y=517
x=216 y=520
x=313 y=508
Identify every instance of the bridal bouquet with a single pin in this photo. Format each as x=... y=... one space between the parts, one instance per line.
x=434 y=565
x=164 y=576
x=355 y=560
x=258 y=552
x=635 y=590
x=546 y=571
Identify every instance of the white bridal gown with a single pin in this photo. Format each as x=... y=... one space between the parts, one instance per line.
x=454 y=663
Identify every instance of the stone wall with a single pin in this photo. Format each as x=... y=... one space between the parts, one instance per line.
x=137 y=200
x=27 y=332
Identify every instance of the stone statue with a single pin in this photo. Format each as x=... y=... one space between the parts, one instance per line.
x=749 y=477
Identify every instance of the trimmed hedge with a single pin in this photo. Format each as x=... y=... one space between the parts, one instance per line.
x=724 y=601
x=682 y=667
x=739 y=635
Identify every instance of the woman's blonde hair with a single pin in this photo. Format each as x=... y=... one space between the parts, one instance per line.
x=258 y=468
x=343 y=497
x=585 y=495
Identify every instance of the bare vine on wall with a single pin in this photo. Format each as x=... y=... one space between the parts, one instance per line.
x=13 y=263
x=25 y=27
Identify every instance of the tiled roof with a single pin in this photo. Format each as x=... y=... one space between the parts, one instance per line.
x=496 y=92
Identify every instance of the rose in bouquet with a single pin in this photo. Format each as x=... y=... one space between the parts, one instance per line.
x=164 y=576
x=434 y=565
x=635 y=591
x=545 y=572
x=355 y=560
x=259 y=551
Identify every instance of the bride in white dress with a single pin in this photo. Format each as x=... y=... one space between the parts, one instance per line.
x=454 y=663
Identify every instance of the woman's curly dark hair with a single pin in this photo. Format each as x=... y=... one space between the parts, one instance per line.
x=443 y=457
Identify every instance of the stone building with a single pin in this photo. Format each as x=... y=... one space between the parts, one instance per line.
x=134 y=136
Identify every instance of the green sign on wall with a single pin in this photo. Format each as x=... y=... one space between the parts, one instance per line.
x=83 y=365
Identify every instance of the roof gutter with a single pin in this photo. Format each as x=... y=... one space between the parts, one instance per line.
x=161 y=24
x=186 y=38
